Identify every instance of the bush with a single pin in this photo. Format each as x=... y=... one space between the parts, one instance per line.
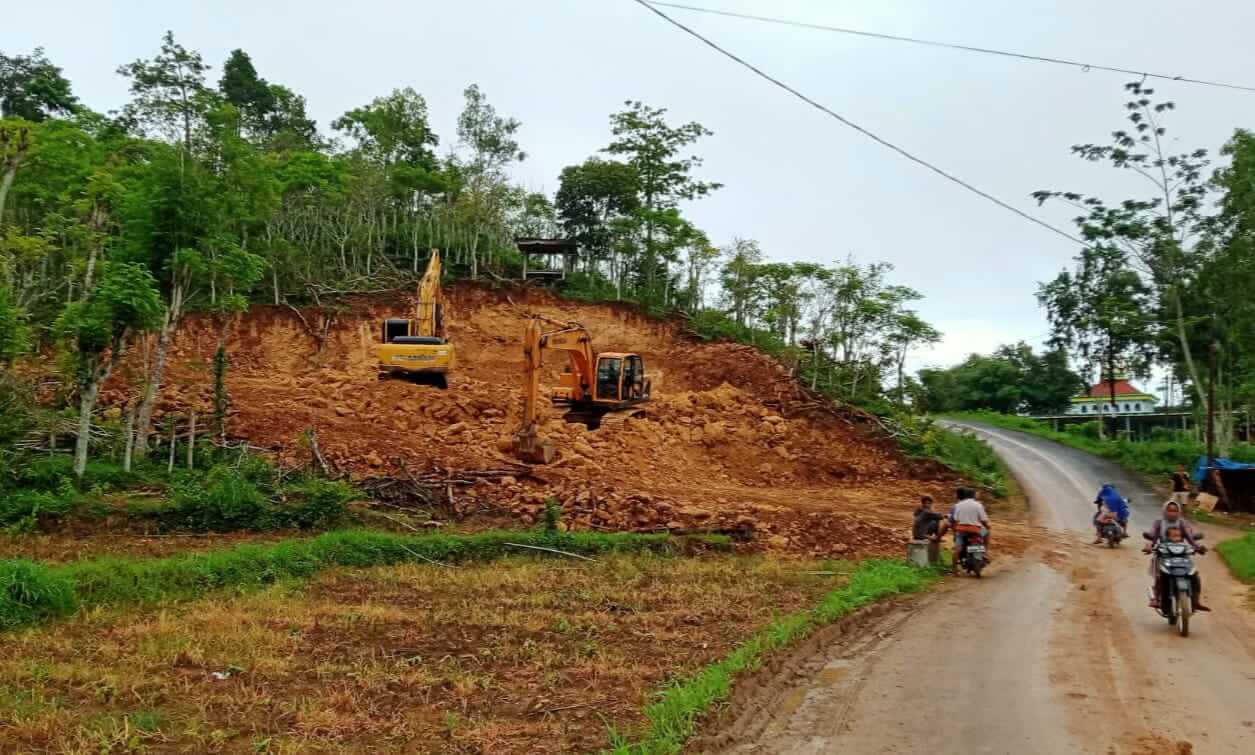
x=24 y=508
x=1239 y=554
x=220 y=500
x=31 y=592
x=320 y=503
x=963 y=452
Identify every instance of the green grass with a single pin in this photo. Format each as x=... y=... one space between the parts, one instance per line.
x=676 y=713
x=1239 y=554
x=31 y=593
x=959 y=450
x=1155 y=457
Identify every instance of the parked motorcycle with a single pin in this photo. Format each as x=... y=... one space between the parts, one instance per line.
x=974 y=557
x=1178 y=581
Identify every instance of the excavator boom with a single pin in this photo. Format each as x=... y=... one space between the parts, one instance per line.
x=417 y=348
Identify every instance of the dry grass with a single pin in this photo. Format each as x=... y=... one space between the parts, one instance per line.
x=520 y=655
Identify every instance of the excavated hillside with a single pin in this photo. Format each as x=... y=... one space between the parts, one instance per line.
x=729 y=442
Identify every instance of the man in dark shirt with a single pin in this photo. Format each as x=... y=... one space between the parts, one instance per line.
x=926 y=520
x=1181 y=487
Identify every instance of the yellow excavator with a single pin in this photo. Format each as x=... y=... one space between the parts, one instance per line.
x=417 y=349
x=597 y=388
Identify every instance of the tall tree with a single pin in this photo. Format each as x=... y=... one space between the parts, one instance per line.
x=97 y=330
x=31 y=87
x=169 y=91
x=1157 y=234
x=1100 y=313
x=653 y=148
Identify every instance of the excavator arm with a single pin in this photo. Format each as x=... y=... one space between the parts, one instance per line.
x=429 y=305
x=576 y=341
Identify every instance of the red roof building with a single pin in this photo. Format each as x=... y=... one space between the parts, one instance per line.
x=1129 y=400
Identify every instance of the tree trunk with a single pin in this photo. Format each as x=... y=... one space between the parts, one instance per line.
x=191 y=440
x=5 y=182
x=88 y=392
x=144 y=420
x=130 y=436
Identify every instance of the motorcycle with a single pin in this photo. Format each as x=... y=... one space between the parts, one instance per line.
x=1113 y=533
x=974 y=557
x=1177 y=581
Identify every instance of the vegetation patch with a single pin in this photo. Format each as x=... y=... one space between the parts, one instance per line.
x=674 y=716
x=1155 y=457
x=38 y=593
x=520 y=655
x=1239 y=554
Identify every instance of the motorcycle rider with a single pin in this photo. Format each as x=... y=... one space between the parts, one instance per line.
x=1109 y=501
x=1167 y=528
x=968 y=515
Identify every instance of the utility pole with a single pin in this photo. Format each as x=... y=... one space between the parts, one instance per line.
x=1211 y=404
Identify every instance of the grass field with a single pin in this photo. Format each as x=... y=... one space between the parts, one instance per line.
x=521 y=654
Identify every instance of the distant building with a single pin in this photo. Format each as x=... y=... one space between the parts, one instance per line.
x=1129 y=400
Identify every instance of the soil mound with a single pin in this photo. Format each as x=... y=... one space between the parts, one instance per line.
x=730 y=441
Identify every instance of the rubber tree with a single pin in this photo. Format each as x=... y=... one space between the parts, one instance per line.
x=96 y=331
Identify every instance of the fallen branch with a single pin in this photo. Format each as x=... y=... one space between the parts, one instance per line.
x=551 y=550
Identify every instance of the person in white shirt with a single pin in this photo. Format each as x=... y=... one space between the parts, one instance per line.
x=967 y=516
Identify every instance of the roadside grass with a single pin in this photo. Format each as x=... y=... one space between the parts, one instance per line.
x=1239 y=554
x=676 y=713
x=967 y=454
x=519 y=655
x=31 y=593
x=1154 y=457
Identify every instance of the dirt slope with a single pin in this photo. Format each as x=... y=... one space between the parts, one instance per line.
x=728 y=441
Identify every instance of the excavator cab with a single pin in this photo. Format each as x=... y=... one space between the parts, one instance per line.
x=620 y=379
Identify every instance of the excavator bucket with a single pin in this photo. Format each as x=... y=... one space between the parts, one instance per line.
x=532 y=448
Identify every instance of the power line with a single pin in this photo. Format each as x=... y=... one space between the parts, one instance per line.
x=918 y=160
x=953 y=46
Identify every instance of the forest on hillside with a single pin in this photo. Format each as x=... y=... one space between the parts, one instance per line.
x=209 y=190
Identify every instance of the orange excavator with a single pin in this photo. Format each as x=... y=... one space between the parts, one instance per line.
x=597 y=388
x=418 y=349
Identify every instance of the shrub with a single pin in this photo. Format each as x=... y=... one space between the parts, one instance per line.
x=220 y=500
x=24 y=508
x=319 y=503
x=31 y=592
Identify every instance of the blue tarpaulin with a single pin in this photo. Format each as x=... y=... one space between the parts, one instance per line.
x=1200 y=469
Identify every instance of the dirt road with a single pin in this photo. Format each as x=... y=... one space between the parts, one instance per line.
x=1056 y=653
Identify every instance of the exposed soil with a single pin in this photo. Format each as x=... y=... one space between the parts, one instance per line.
x=730 y=441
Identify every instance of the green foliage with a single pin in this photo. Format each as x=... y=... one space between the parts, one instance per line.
x=124 y=300
x=674 y=716
x=552 y=518
x=31 y=593
x=15 y=333
x=221 y=500
x=315 y=503
x=1158 y=458
x=962 y=451
x=1013 y=379
x=1239 y=554
x=31 y=87
x=21 y=510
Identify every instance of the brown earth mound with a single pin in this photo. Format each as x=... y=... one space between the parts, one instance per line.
x=730 y=441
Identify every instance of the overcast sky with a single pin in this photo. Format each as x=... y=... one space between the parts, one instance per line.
x=799 y=182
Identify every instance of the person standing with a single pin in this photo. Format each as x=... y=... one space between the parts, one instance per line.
x=1181 y=487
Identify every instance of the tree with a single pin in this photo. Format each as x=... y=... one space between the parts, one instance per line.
x=15 y=335
x=489 y=142
x=908 y=330
x=594 y=199
x=739 y=278
x=653 y=149
x=169 y=91
x=1100 y=313
x=1011 y=380
x=96 y=331
x=249 y=93
x=1156 y=235
x=31 y=87
x=15 y=145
